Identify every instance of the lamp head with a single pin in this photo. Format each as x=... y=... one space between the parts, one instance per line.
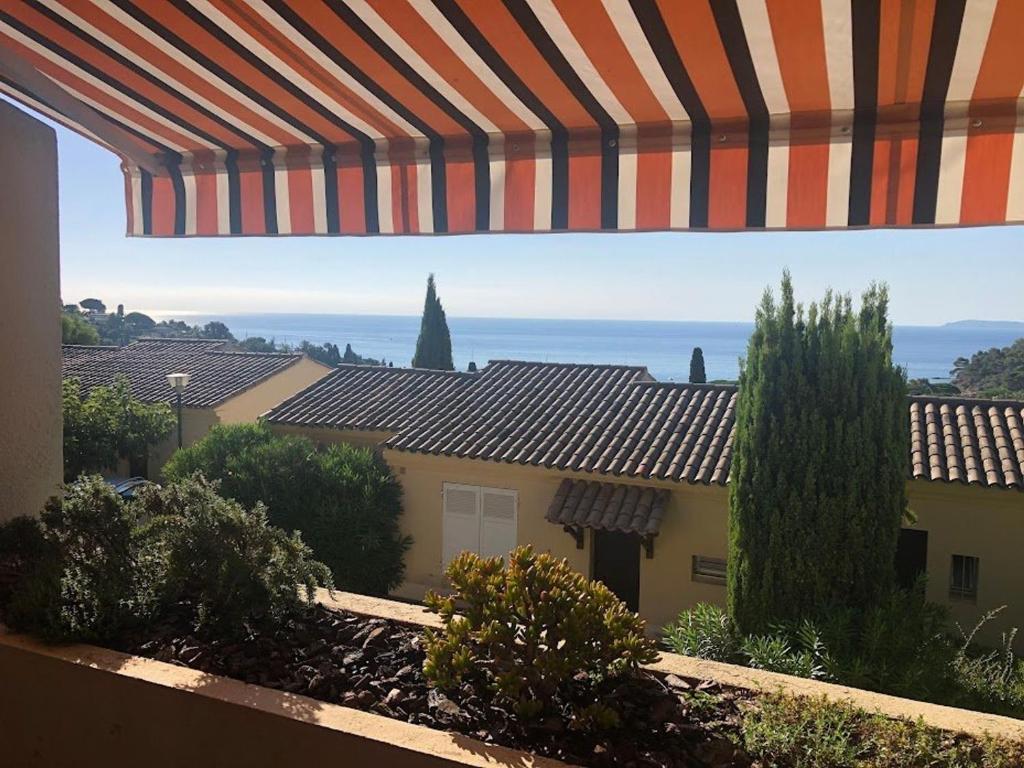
x=178 y=381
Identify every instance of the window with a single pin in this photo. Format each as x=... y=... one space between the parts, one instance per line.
x=476 y=519
x=963 y=578
x=709 y=569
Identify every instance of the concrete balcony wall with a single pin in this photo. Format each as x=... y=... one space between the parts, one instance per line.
x=30 y=405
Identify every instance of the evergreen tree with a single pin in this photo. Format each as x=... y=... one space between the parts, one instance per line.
x=434 y=345
x=818 y=485
x=697 y=375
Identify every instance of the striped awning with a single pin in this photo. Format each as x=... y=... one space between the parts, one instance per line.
x=429 y=116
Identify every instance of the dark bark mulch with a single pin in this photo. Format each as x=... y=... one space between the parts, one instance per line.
x=376 y=665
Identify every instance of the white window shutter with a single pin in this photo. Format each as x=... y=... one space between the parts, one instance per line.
x=498 y=525
x=461 y=530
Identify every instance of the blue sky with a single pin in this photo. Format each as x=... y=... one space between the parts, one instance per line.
x=934 y=276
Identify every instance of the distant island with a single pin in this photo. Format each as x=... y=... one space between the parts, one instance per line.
x=987 y=325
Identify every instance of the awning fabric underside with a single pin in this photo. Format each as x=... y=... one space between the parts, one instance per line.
x=432 y=116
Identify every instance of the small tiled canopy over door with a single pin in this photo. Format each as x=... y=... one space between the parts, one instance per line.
x=481 y=520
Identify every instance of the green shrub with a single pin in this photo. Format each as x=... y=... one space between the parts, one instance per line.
x=901 y=647
x=91 y=578
x=704 y=631
x=22 y=546
x=108 y=424
x=799 y=651
x=528 y=632
x=344 y=500
x=228 y=566
x=992 y=678
x=793 y=732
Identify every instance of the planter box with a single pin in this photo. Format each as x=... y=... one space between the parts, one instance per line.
x=934 y=715
x=82 y=705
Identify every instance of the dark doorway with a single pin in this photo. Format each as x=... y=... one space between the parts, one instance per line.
x=911 y=556
x=617 y=564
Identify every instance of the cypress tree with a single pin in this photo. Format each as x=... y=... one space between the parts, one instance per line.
x=818 y=486
x=697 y=375
x=434 y=345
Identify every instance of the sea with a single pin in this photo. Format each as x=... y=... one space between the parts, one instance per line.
x=664 y=347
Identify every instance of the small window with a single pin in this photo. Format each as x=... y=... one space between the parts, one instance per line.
x=963 y=578
x=709 y=569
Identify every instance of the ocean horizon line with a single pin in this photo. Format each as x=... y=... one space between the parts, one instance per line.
x=159 y=314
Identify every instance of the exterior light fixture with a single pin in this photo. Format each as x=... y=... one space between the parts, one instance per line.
x=178 y=382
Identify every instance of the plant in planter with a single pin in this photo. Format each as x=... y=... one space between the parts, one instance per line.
x=86 y=575
x=536 y=635
x=94 y=567
x=226 y=564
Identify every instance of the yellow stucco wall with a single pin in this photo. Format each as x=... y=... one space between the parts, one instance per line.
x=244 y=408
x=30 y=353
x=249 y=405
x=985 y=523
x=195 y=423
x=422 y=479
x=980 y=522
x=694 y=524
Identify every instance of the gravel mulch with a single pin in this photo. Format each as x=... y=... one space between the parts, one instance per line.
x=376 y=665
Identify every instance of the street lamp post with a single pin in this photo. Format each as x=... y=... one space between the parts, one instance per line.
x=178 y=382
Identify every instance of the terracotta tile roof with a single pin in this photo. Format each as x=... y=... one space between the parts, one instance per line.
x=545 y=414
x=371 y=398
x=608 y=507
x=589 y=418
x=613 y=420
x=217 y=373
x=967 y=441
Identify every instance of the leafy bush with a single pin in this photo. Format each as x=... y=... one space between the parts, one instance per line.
x=90 y=578
x=229 y=566
x=900 y=647
x=815 y=733
x=97 y=566
x=534 y=635
x=704 y=631
x=22 y=546
x=344 y=500
x=107 y=424
x=993 y=678
x=799 y=651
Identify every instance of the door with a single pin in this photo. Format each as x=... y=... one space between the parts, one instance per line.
x=617 y=564
x=911 y=556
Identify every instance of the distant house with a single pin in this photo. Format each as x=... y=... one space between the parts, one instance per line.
x=627 y=477
x=225 y=387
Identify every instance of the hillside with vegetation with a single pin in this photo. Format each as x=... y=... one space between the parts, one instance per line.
x=996 y=372
x=88 y=322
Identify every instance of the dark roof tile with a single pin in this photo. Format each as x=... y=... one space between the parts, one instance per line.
x=370 y=398
x=613 y=420
x=217 y=373
x=608 y=507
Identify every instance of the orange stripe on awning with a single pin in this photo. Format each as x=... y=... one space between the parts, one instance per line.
x=399 y=116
